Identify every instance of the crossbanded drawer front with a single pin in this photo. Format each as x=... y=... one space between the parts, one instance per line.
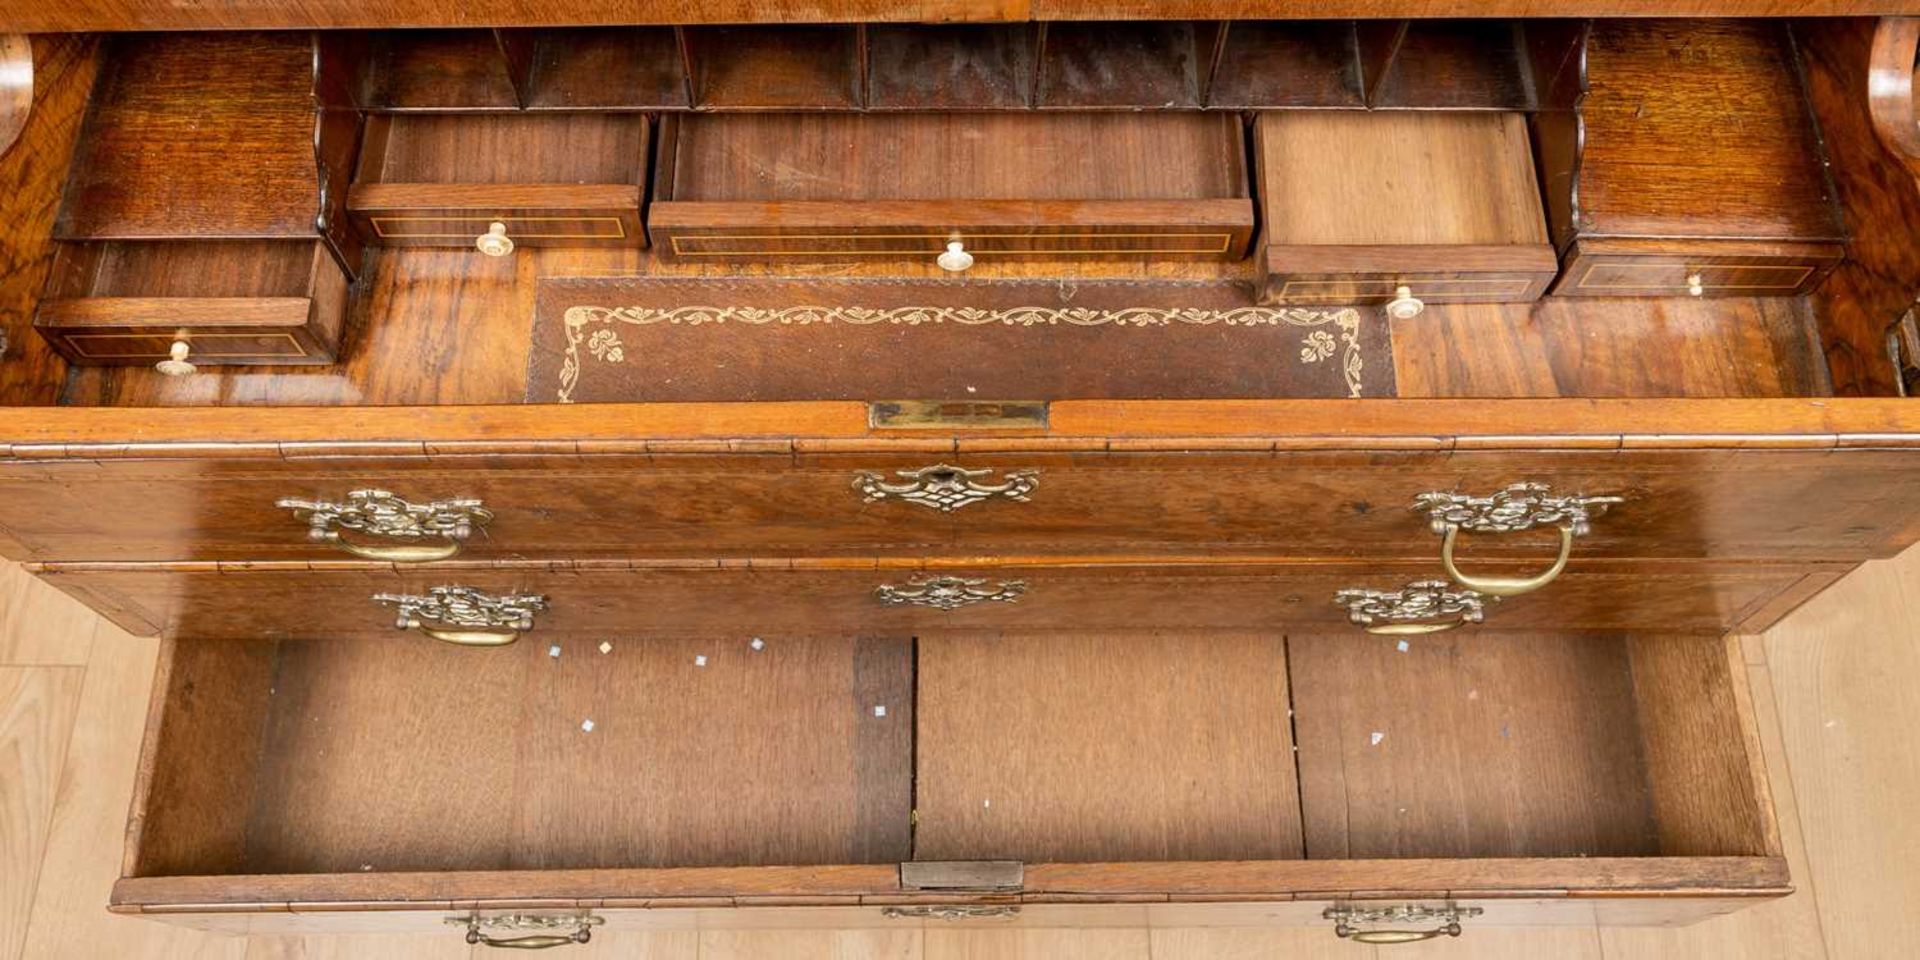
x=1618 y=276
x=245 y=504
x=1432 y=288
x=538 y=602
x=1010 y=242
x=458 y=228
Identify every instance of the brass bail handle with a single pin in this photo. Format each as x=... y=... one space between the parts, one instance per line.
x=534 y=941
x=1503 y=586
x=1414 y=629
x=1347 y=932
x=446 y=549
x=473 y=638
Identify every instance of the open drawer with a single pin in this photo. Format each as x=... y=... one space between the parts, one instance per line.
x=756 y=188
x=133 y=302
x=560 y=179
x=1528 y=779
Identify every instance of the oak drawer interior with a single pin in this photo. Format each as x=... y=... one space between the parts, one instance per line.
x=287 y=758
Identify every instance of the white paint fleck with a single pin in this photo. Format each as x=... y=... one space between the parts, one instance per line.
x=606 y=646
x=700 y=661
x=986 y=803
x=880 y=710
x=757 y=644
x=586 y=726
x=1401 y=646
x=1375 y=739
x=554 y=651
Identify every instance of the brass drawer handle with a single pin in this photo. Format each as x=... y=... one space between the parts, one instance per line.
x=1412 y=609
x=949 y=593
x=378 y=513
x=950 y=911
x=464 y=615
x=581 y=932
x=944 y=487
x=1348 y=921
x=1521 y=506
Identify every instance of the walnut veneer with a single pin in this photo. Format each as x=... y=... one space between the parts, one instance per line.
x=1132 y=665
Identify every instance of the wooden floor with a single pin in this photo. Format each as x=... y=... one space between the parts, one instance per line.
x=1837 y=686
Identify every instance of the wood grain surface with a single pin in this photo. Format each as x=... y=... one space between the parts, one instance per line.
x=1104 y=748
x=48 y=15
x=1516 y=746
x=498 y=771
x=1645 y=174
x=1855 y=843
x=32 y=174
x=1881 y=196
x=1052 y=595
x=207 y=136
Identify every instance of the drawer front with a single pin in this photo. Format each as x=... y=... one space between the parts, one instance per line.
x=266 y=601
x=993 y=232
x=1678 y=275
x=1350 y=274
x=1728 y=503
x=997 y=242
x=1514 y=287
x=123 y=347
x=460 y=228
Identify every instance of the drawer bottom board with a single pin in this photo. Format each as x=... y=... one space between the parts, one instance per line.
x=1117 y=766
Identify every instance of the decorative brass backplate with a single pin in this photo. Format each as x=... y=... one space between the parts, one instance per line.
x=381 y=514
x=463 y=608
x=1521 y=506
x=945 y=487
x=1418 y=601
x=951 y=911
x=537 y=931
x=949 y=593
x=1348 y=921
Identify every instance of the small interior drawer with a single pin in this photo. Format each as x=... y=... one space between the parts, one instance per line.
x=1253 y=766
x=1704 y=268
x=1008 y=187
x=127 y=302
x=552 y=179
x=1358 y=205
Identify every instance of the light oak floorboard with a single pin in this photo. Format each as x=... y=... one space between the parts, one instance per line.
x=1842 y=677
x=1846 y=675
x=36 y=716
x=39 y=625
x=69 y=917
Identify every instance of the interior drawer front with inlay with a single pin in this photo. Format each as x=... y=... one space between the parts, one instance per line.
x=244 y=503
x=709 y=232
x=1305 y=286
x=459 y=216
x=1626 y=269
x=465 y=180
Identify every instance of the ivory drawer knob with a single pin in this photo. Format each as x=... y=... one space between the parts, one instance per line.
x=495 y=242
x=1696 y=285
x=176 y=364
x=956 y=259
x=1404 y=305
